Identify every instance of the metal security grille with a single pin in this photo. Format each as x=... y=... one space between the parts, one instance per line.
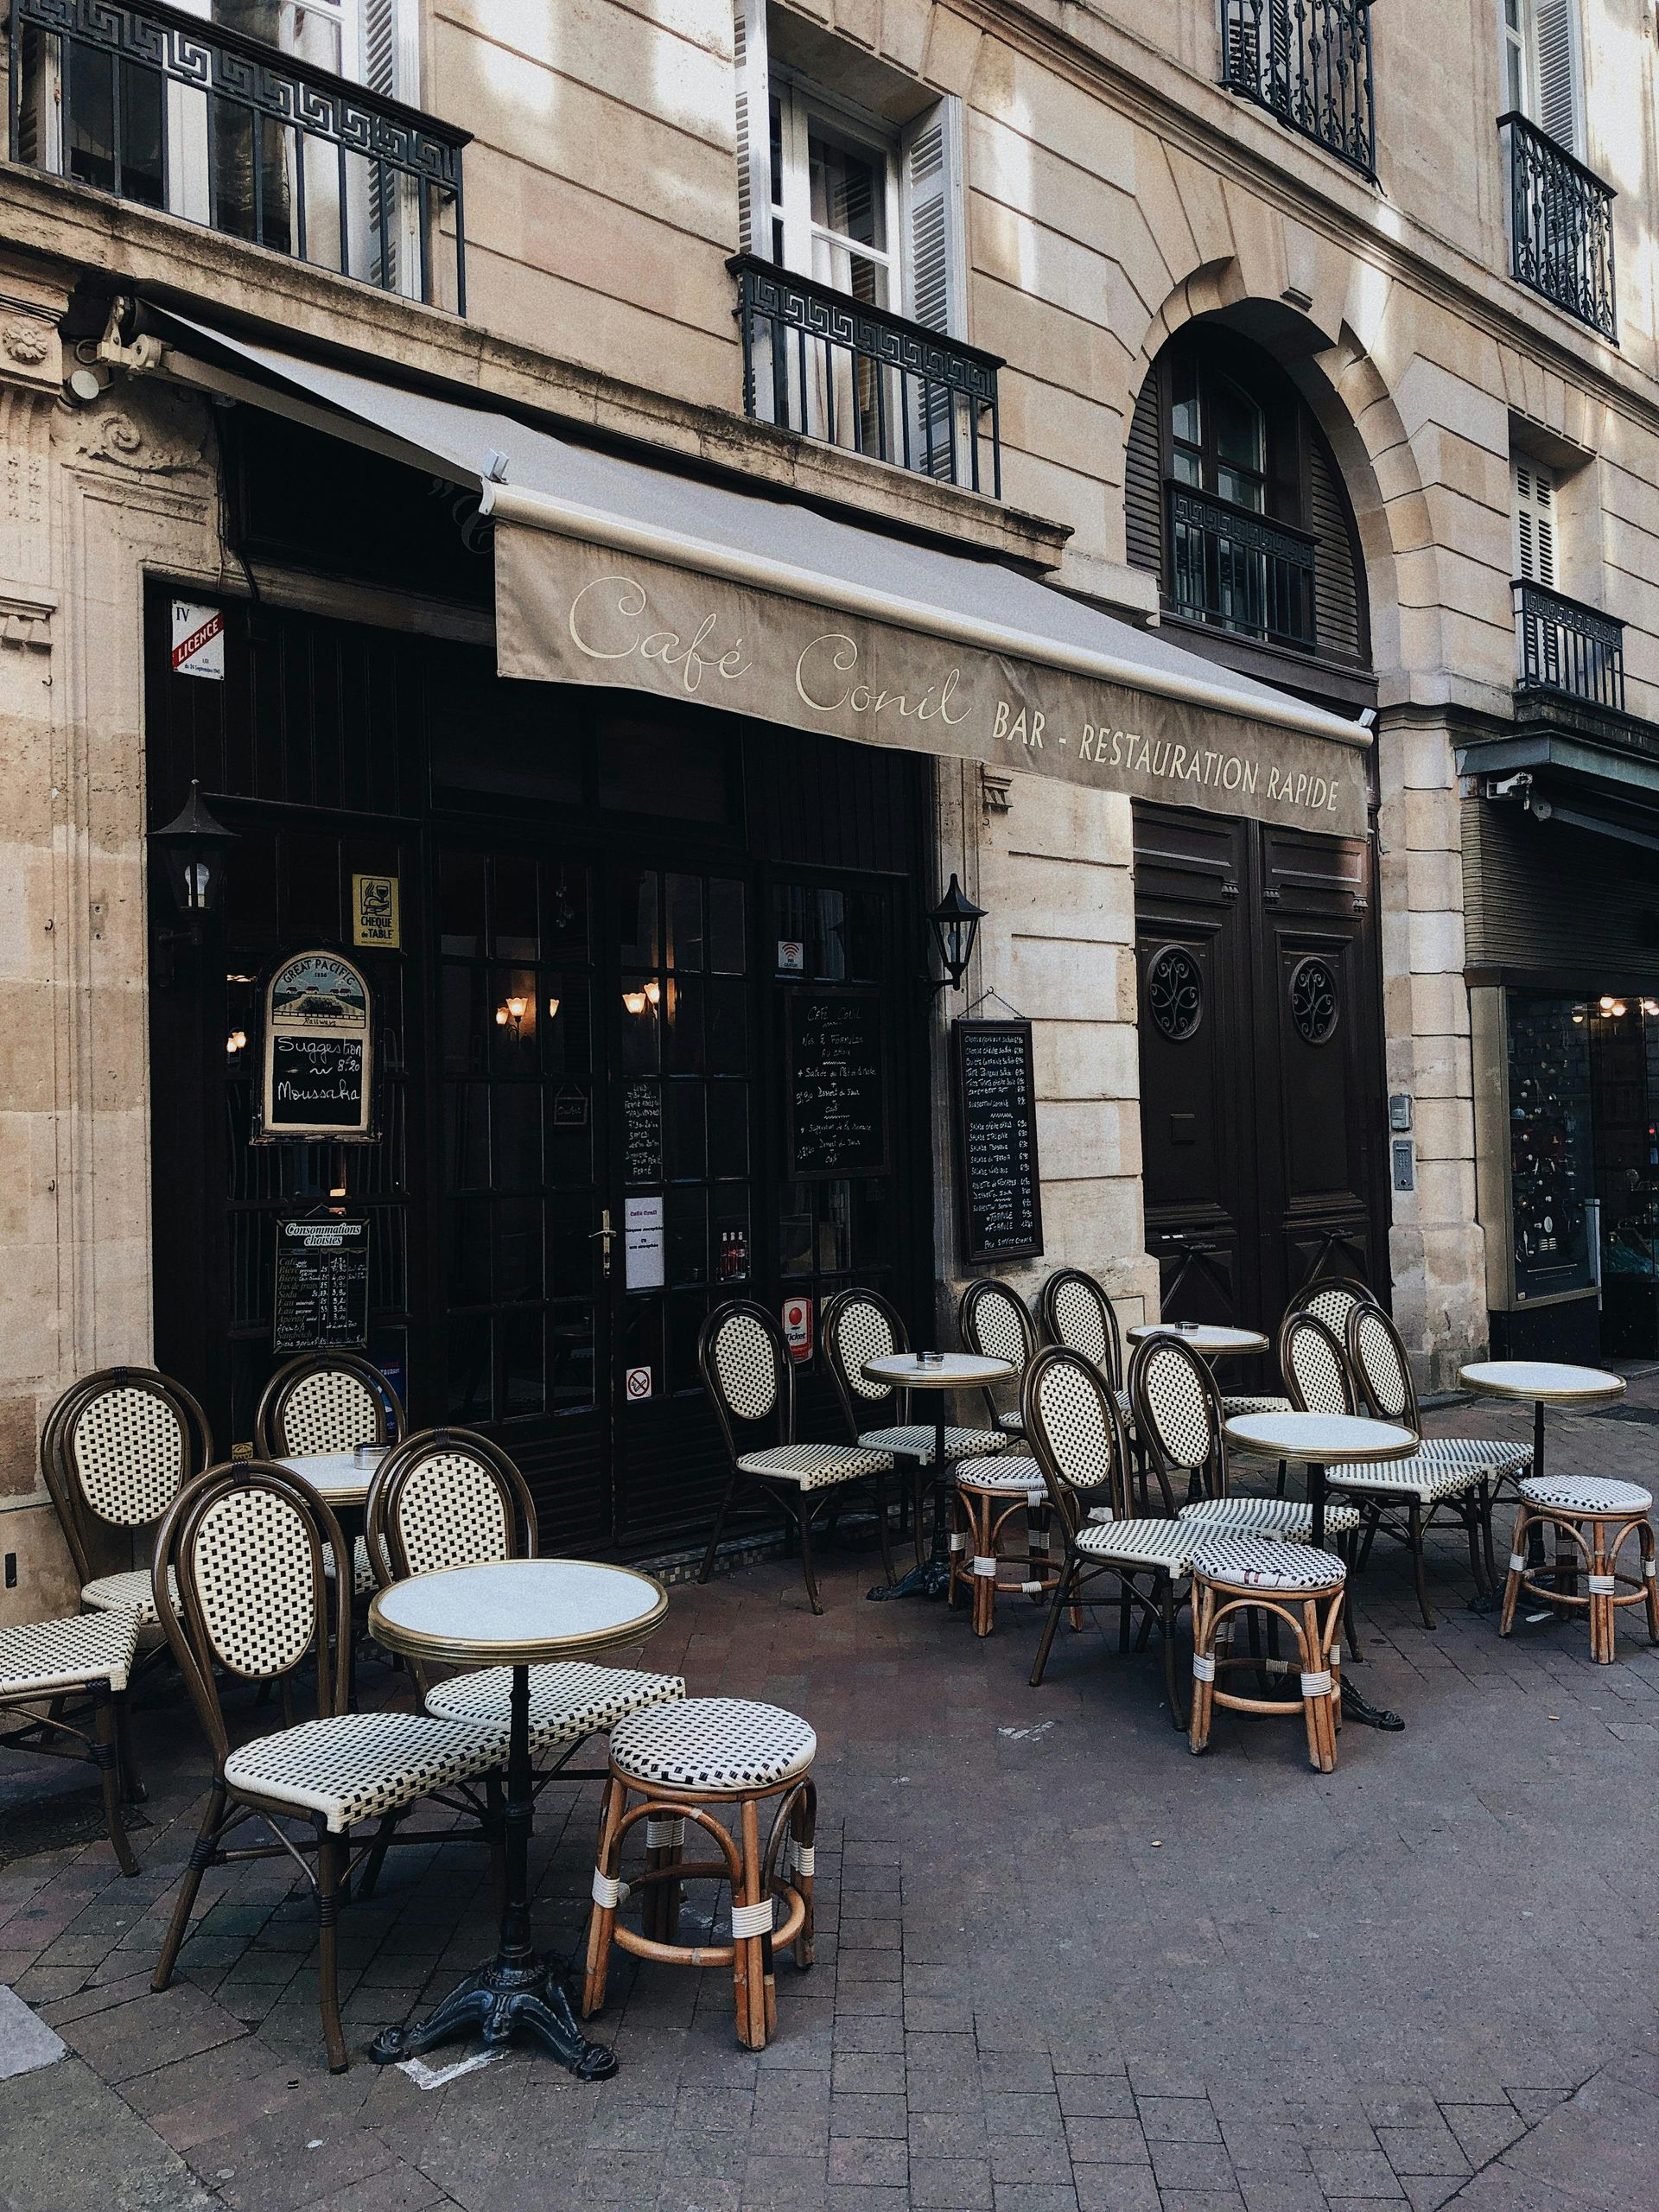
x=139 y=99
x=1309 y=63
x=819 y=362
x=1560 y=227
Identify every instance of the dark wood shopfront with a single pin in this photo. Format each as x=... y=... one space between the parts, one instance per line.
x=1262 y=1114
x=621 y=883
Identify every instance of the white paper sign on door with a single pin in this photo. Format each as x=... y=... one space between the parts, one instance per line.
x=642 y=1241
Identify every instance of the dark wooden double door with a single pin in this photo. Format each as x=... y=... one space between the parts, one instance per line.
x=1263 y=1120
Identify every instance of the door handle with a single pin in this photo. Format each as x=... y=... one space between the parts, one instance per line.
x=605 y=1236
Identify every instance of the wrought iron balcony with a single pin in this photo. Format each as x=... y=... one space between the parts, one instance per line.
x=1239 y=571
x=1566 y=647
x=136 y=99
x=822 y=363
x=1561 y=227
x=1309 y=63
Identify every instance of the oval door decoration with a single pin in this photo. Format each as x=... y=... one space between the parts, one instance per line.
x=1174 y=993
x=1315 y=1005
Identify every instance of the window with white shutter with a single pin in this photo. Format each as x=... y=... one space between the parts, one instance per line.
x=1535 y=521
x=935 y=275
x=1542 y=70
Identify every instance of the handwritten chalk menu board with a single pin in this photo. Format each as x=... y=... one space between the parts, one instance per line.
x=642 y=1131
x=322 y=1285
x=317 y=1052
x=996 y=1141
x=837 y=1083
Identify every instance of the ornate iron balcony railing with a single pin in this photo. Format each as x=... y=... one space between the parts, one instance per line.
x=1561 y=227
x=1239 y=571
x=819 y=362
x=137 y=99
x=1565 y=646
x=1309 y=63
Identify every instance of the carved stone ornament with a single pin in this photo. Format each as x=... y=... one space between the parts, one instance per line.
x=27 y=340
x=155 y=431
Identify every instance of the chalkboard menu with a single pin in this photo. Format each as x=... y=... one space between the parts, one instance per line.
x=837 y=1083
x=322 y=1285
x=642 y=1131
x=996 y=1141
x=317 y=1050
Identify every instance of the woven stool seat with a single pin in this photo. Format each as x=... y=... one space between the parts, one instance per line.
x=1286 y=1518
x=1588 y=1494
x=814 y=1466
x=1244 y=1562
x=132 y=1593
x=1014 y=1476
x=712 y=1743
x=48 y=1656
x=915 y=1440
x=568 y=1699
x=353 y=1766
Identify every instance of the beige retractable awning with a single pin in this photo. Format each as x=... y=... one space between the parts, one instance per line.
x=614 y=571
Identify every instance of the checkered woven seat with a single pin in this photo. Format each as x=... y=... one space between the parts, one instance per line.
x=1232 y=1404
x=712 y=1743
x=1286 y=1518
x=1488 y=1455
x=814 y=1466
x=1590 y=1494
x=1164 y=1545
x=1417 y=1477
x=1016 y=1476
x=362 y=1572
x=50 y=1656
x=914 y=1440
x=354 y=1766
x=1015 y=1423
x=568 y=1700
x=1258 y=1563
x=132 y=1593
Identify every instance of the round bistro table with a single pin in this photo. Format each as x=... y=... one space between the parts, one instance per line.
x=513 y=1613
x=1209 y=1339
x=1545 y=1383
x=341 y=1478
x=1314 y=1442
x=940 y=1372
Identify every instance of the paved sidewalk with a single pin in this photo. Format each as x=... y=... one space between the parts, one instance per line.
x=1063 y=1965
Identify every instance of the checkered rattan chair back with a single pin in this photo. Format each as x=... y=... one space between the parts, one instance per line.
x=747 y=1371
x=994 y=1323
x=1072 y=1426
x=1177 y=1414
x=859 y=1325
x=1332 y=1299
x=1377 y=1358
x=247 y=1541
x=326 y=1402
x=446 y=1497
x=122 y=1445
x=1078 y=1314
x=1314 y=1366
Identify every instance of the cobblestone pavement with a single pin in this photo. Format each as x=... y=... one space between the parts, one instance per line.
x=1063 y=1966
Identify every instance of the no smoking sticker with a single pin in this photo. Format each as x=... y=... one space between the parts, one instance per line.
x=637 y=1384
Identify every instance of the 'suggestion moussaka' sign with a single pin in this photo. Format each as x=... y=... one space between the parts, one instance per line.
x=317 y=1065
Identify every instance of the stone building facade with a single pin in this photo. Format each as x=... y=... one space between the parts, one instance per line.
x=1114 y=194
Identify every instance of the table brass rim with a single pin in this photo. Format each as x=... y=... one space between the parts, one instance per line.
x=1376 y=1456
x=1519 y=1393
x=417 y=1643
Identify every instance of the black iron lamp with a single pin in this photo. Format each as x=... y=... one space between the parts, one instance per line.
x=193 y=847
x=954 y=923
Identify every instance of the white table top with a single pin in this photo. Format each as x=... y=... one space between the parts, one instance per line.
x=947 y=1370
x=1209 y=1339
x=1548 y=1380
x=340 y=1477
x=1325 y=1439
x=516 y=1611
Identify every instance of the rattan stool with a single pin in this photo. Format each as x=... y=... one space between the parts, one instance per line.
x=1291 y=1583
x=678 y=1761
x=1594 y=1519
x=989 y=1493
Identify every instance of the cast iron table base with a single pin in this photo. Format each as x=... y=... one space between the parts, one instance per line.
x=517 y=1989
x=931 y=1577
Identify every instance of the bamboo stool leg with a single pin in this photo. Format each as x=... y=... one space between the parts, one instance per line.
x=1604 y=1617
x=659 y=1913
x=1204 y=1663
x=1517 y=1568
x=962 y=1548
x=602 y=1921
x=803 y=1827
x=1317 y=1686
x=748 y=1959
x=1649 y=1577
x=984 y=1565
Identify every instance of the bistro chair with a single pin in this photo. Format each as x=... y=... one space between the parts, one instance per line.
x=750 y=1379
x=44 y=1665
x=678 y=1762
x=329 y=1402
x=1076 y=1435
x=448 y=1497
x=1291 y=1586
x=994 y=1323
x=1593 y=1519
x=246 y=1545
x=117 y=1449
x=861 y=1326
x=1332 y=1299
x=1078 y=1314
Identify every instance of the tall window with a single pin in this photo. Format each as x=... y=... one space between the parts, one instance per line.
x=834 y=197
x=1541 y=67
x=1535 y=521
